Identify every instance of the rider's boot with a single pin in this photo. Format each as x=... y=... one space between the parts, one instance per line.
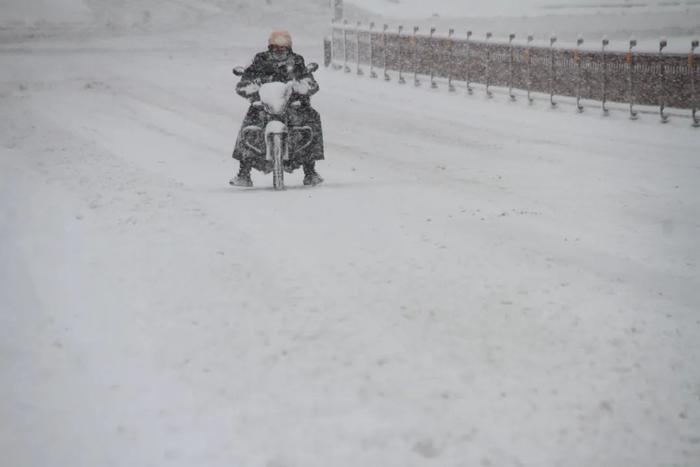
x=243 y=178
x=311 y=177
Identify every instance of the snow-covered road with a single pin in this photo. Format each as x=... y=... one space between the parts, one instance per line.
x=477 y=283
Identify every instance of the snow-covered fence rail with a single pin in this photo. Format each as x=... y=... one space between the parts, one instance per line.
x=655 y=79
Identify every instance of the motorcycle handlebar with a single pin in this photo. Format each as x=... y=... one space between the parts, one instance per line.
x=294 y=104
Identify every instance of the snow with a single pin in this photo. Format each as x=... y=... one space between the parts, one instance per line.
x=510 y=8
x=43 y=11
x=648 y=21
x=275 y=96
x=478 y=282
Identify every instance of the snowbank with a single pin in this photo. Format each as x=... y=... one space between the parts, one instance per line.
x=513 y=8
x=679 y=23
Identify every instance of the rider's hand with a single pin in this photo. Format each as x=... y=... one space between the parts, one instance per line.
x=302 y=86
x=250 y=89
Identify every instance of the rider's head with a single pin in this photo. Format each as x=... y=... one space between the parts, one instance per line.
x=280 y=44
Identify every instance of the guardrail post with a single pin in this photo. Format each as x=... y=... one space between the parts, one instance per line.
x=662 y=81
x=386 y=52
x=401 y=78
x=528 y=56
x=372 y=73
x=332 y=40
x=489 y=94
x=693 y=76
x=605 y=77
x=511 y=65
x=337 y=9
x=579 y=75
x=433 y=54
x=416 y=81
x=450 y=65
x=630 y=78
x=327 y=53
x=553 y=71
x=331 y=48
x=469 y=64
x=345 y=46
x=357 y=49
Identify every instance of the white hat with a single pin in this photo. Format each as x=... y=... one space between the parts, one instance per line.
x=280 y=39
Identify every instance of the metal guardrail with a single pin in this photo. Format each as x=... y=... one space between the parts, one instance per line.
x=654 y=79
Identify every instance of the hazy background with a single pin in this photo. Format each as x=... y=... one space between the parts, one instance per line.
x=218 y=22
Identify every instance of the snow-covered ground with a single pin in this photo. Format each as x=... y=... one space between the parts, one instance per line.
x=678 y=22
x=477 y=282
x=519 y=8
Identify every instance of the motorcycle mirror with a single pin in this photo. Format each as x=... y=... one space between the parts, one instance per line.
x=238 y=71
x=311 y=67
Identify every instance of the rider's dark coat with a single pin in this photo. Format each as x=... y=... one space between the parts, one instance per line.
x=265 y=68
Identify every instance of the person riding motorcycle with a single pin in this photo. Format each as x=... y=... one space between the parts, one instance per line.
x=280 y=63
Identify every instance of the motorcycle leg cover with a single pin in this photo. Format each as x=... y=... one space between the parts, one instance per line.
x=303 y=116
x=307 y=116
x=241 y=152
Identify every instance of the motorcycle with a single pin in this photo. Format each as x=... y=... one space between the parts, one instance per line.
x=277 y=142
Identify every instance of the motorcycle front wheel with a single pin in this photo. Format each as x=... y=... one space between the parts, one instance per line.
x=277 y=142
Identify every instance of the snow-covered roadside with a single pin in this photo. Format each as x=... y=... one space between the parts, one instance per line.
x=516 y=8
x=679 y=24
x=480 y=283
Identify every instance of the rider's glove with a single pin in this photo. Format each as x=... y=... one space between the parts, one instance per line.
x=302 y=86
x=250 y=89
